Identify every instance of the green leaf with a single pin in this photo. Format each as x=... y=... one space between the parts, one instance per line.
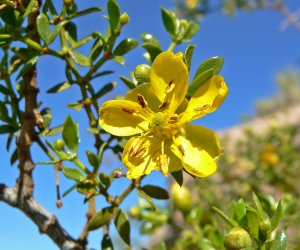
x=69 y=190
x=54 y=131
x=55 y=32
x=9 y=16
x=33 y=3
x=81 y=42
x=148 y=38
x=228 y=220
x=156 y=192
x=70 y=134
x=190 y=31
x=106 y=243
x=4 y=90
x=73 y=174
x=27 y=66
x=178 y=176
x=152 y=49
x=199 y=81
x=129 y=83
x=104 y=90
x=113 y=14
x=84 y=12
x=43 y=26
x=280 y=242
x=125 y=46
x=4 y=112
x=75 y=105
x=103 y=73
x=276 y=217
x=96 y=49
x=93 y=159
x=101 y=218
x=59 y=87
x=119 y=60
x=169 y=20
x=145 y=196
x=71 y=30
x=188 y=55
x=47 y=117
x=240 y=212
x=106 y=180
x=258 y=206
x=215 y=63
x=14 y=157
x=123 y=226
x=80 y=59
x=6 y=129
x=253 y=222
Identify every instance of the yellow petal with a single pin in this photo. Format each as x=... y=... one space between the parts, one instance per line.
x=195 y=160
x=123 y=118
x=141 y=155
x=147 y=92
x=175 y=163
x=203 y=138
x=169 y=79
x=206 y=99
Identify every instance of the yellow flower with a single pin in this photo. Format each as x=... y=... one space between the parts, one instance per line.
x=157 y=114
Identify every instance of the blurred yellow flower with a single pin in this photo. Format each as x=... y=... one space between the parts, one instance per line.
x=268 y=155
x=191 y=4
x=157 y=114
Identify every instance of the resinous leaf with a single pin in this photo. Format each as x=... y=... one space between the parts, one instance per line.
x=188 y=55
x=73 y=174
x=101 y=218
x=113 y=13
x=156 y=192
x=70 y=134
x=125 y=46
x=80 y=59
x=215 y=63
x=59 y=87
x=123 y=226
x=169 y=20
x=43 y=26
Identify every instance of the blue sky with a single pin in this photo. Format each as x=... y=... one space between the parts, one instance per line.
x=253 y=47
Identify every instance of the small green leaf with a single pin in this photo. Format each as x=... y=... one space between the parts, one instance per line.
x=27 y=66
x=70 y=134
x=106 y=180
x=170 y=21
x=258 y=206
x=6 y=129
x=4 y=90
x=148 y=38
x=84 y=12
x=152 y=49
x=178 y=176
x=277 y=216
x=103 y=73
x=47 y=117
x=71 y=30
x=9 y=16
x=14 y=157
x=101 y=218
x=145 y=196
x=122 y=225
x=156 y=192
x=240 y=212
x=125 y=46
x=104 y=90
x=33 y=3
x=43 y=26
x=228 y=220
x=69 y=190
x=54 y=131
x=96 y=49
x=55 y=32
x=199 y=81
x=129 y=83
x=190 y=31
x=93 y=159
x=113 y=13
x=73 y=174
x=80 y=59
x=59 y=87
x=81 y=42
x=106 y=243
x=119 y=60
x=215 y=63
x=253 y=222
x=4 y=112
x=75 y=105
x=280 y=242
x=188 y=55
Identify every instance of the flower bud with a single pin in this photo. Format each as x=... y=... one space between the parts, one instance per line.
x=142 y=73
x=124 y=18
x=68 y=2
x=135 y=212
x=265 y=226
x=237 y=238
x=59 y=144
x=181 y=198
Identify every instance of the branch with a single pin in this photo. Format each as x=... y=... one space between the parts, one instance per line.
x=46 y=222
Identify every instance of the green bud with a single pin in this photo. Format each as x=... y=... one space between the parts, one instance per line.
x=181 y=198
x=59 y=144
x=124 y=18
x=135 y=212
x=237 y=238
x=265 y=226
x=142 y=73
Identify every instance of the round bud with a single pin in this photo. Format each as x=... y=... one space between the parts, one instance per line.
x=142 y=73
x=59 y=144
x=124 y=18
x=135 y=212
x=237 y=238
x=68 y=2
x=181 y=198
x=265 y=226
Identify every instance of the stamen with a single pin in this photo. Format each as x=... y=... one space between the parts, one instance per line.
x=170 y=87
x=163 y=160
x=173 y=119
x=139 y=153
x=204 y=107
x=142 y=101
x=181 y=149
x=130 y=111
x=164 y=105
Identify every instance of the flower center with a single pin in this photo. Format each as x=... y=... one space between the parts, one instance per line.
x=164 y=125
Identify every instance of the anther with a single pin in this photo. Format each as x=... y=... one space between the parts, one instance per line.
x=204 y=107
x=173 y=119
x=164 y=105
x=170 y=87
x=129 y=111
x=139 y=153
x=142 y=101
x=181 y=149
